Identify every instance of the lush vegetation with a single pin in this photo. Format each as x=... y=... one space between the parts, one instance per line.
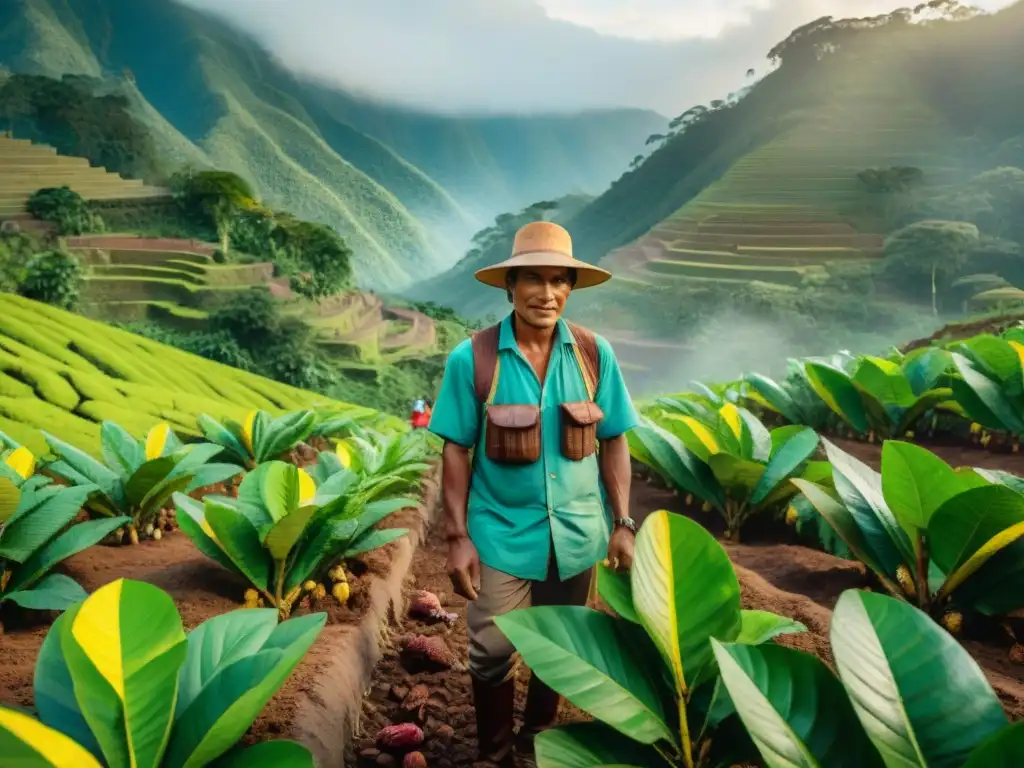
x=681 y=675
x=78 y=117
x=65 y=374
x=118 y=681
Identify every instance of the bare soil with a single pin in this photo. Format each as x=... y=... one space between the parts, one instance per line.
x=779 y=576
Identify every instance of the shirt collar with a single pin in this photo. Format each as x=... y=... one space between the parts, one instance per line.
x=507 y=337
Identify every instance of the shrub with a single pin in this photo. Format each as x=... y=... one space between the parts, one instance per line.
x=65 y=208
x=52 y=277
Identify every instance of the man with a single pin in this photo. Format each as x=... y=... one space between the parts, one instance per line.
x=535 y=508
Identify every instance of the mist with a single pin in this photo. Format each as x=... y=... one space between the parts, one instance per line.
x=529 y=56
x=730 y=344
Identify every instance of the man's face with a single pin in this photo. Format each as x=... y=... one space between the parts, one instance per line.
x=539 y=294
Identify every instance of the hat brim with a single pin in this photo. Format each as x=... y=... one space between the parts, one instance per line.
x=587 y=275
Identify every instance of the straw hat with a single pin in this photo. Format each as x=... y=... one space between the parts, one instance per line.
x=543 y=244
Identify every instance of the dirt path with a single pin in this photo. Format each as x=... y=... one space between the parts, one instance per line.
x=781 y=577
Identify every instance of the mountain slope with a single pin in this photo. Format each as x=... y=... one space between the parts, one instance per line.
x=312 y=149
x=863 y=97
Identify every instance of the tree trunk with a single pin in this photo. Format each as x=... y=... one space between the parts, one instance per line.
x=935 y=303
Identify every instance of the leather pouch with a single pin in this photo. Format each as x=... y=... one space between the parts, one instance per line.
x=579 y=429
x=513 y=434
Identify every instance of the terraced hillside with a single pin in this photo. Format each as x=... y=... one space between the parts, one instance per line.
x=65 y=374
x=131 y=279
x=26 y=167
x=794 y=205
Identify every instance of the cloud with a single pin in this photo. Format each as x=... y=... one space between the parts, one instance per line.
x=532 y=55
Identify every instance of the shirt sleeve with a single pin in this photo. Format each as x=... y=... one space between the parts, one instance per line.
x=612 y=397
x=456 y=413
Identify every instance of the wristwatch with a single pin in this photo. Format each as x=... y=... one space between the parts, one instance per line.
x=627 y=522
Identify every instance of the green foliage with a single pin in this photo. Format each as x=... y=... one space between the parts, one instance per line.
x=118 y=680
x=213 y=197
x=283 y=532
x=37 y=531
x=137 y=478
x=65 y=208
x=895 y=179
x=15 y=252
x=319 y=261
x=933 y=535
x=884 y=708
x=928 y=249
x=261 y=437
x=80 y=117
x=648 y=678
x=52 y=277
x=725 y=457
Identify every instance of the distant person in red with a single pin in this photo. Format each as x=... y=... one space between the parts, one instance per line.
x=420 y=417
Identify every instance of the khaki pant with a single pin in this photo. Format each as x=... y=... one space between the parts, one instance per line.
x=492 y=657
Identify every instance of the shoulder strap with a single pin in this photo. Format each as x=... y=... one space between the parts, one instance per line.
x=485 y=360
x=590 y=358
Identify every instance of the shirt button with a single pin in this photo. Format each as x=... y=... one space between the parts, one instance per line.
x=552 y=475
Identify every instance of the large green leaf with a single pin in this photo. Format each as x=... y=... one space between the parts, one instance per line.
x=847 y=527
x=685 y=592
x=915 y=483
x=737 y=476
x=884 y=381
x=372 y=540
x=794 y=452
x=267 y=754
x=758 y=627
x=10 y=497
x=860 y=489
x=221 y=435
x=279 y=488
x=616 y=590
x=589 y=745
x=591 y=659
x=212 y=474
x=795 y=709
x=240 y=542
x=147 y=477
x=120 y=450
x=53 y=690
x=996 y=410
x=82 y=465
x=836 y=389
x=123 y=648
x=1002 y=750
x=30 y=529
x=671 y=459
x=776 y=396
x=921 y=698
x=283 y=433
x=190 y=516
x=53 y=593
x=229 y=676
x=282 y=537
x=74 y=540
x=219 y=642
x=972 y=527
x=926 y=367
x=997 y=359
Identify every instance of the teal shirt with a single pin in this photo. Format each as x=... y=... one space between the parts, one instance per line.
x=515 y=512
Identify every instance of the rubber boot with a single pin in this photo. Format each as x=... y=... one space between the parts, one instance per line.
x=495 y=708
x=540 y=713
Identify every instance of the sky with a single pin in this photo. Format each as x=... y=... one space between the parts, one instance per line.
x=527 y=56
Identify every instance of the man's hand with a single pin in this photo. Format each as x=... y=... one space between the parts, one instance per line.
x=464 y=567
x=620 y=548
